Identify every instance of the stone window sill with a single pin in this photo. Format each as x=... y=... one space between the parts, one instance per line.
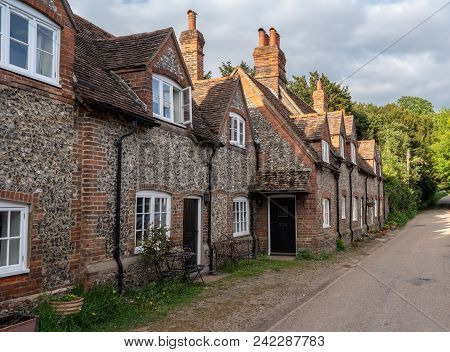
x=15 y=273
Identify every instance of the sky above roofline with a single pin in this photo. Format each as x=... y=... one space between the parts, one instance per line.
x=333 y=37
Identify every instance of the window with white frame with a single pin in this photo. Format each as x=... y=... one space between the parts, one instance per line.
x=237 y=130
x=153 y=209
x=241 y=218
x=361 y=212
x=342 y=146
x=353 y=152
x=375 y=167
x=171 y=102
x=355 y=209
x=326 y=213
x=325 y=152
x=344 y=207
x=376 y=207
x=29 y=42
x=13 y=238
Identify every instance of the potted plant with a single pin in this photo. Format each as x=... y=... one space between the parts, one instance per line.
x=19 y=323
x=384 y=230
x=67 y=304
x=157 y=248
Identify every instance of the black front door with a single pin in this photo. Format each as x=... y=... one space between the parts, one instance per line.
x=282 y=226
x=190 y=225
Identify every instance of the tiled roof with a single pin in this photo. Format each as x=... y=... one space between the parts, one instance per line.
x=300 y=105
x=310 y=127
x=277 y=181
x=334 y=122
x=362 y=164
x=349 y=121
x=95 y=84
x=91 y=30
x=366 y=148
x=213 y=97
x=132 y=50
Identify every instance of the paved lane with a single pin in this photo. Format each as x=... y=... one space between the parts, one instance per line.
x=402 y=286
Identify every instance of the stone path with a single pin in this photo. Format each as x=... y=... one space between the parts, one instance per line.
x=255 y=303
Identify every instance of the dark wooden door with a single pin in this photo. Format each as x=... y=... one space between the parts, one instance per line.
x=190 y=225
x=282 y=226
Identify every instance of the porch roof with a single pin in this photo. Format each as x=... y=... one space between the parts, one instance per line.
x=282 y=181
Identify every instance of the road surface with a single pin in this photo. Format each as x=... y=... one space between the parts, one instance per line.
x=402 y=286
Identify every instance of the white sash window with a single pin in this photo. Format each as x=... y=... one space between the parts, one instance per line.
x=241 y=218
x=29 y=42
x=326 y=213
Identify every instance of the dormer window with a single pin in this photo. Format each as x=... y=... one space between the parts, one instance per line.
x=29 y=42
x=342 y=146
x=237 y=130
x=325 y=152
x=353 y=152
x=171 y=102
x=375 y=167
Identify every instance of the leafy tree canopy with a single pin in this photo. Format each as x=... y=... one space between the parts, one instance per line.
x=417 y=105
x=338 y=96
x=227 y=68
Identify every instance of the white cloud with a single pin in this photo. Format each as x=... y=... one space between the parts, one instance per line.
x=333 y=37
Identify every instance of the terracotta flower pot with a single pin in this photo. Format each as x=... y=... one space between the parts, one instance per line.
x=384 y=232
x=68 y=308
x=18 y=323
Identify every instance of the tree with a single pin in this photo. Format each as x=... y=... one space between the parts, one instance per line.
x=227 y=68
x=207 y=75
x=338 y=96
x=441 y=148
x=417 y=105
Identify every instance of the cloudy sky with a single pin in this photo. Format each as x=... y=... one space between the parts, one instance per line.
x=330 y=36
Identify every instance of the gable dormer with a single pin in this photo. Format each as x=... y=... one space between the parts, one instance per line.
x=368 y=152
x=337 y=131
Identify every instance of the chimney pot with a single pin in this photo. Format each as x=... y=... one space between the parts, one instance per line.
x=262 y=37
x=266 y=39
x=192 y=20
x=273 y=37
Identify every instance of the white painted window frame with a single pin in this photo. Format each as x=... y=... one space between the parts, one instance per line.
x=22 y=267
x=34 y=18
x=344 y=207
x=243 y=216
x=342 y=146
x=355 y=209
x=353 y=152
x=152 y=195
x=239 y=132
x=326 y=213
x=172 y=85
x=325 y=151
x=375 y=166
x=362 y=211
x=376 y=207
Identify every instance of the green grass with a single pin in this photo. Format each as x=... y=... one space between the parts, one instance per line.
x=105 y=310
x=251 y=267
x=306 y=254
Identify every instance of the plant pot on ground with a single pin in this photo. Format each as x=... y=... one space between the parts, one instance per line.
x=18 y=323
x=67 y=304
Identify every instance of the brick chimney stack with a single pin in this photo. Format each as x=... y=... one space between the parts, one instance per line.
x=320 y=98
x=270 y=61
x=192 y=44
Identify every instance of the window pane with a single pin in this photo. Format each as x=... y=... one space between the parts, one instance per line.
x=147 y=205
x=3 y=224
x=157 y=205
x=19 y=28
x=3 y=252
x=14 y=251
x=156 y=97
x=14 y=225
x=166 y=100
x=139 y=205
x=44 y=64
x=45 y=39
x=18 y=54
x=138 y=238
x=163 y=222
x=163 y=205
x=177 y=106
x=139 y=221
x=147 y=222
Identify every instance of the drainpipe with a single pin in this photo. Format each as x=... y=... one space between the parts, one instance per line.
x=119 y=144
x=351 y=202
x=378 y=204
x=365 y=208
x=338 y=219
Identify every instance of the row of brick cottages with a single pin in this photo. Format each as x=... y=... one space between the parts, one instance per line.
x=84 y=113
